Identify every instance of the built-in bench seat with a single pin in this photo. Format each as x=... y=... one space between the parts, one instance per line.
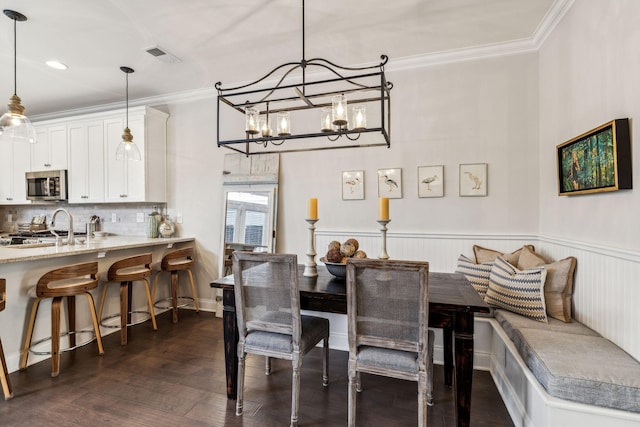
x=573 y=362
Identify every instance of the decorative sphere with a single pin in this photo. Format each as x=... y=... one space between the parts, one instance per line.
x=347 y=249
x=354 y=242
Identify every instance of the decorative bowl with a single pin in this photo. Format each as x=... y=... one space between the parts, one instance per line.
x=337 y=269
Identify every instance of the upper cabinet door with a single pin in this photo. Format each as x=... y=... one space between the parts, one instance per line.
x=50 y=152
x=13 y=190
x=133 y=181
x=86 y=162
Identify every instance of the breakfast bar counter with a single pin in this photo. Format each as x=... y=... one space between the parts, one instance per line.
x=21 y=253
x=23 y=266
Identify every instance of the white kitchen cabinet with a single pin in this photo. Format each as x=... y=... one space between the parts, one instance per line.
x=93 y=174
x=50 y=152
x=133 y=181
x=13 y=190
x=85 y=177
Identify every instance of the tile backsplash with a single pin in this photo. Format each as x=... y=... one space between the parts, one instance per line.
x=126 y=216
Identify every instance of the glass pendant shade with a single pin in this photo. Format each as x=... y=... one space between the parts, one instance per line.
x=127 y=149
x=15 y=126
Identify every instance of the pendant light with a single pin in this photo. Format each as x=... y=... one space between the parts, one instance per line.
x=127 y=149
x=14 y=125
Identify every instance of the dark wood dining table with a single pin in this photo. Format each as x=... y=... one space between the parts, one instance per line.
x=452 y=304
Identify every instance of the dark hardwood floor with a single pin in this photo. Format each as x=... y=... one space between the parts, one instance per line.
x=175 y=377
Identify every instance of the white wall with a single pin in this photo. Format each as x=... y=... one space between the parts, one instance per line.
x=589 y=70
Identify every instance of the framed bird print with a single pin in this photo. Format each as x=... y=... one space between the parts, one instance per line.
x=390 y=183
x=353 y=185
x=431 y=181
x=473 y=179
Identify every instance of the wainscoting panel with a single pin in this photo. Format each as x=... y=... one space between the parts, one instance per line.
x=607 y=280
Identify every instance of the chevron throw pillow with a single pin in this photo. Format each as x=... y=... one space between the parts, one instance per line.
x=519 y=291
x=476 y=274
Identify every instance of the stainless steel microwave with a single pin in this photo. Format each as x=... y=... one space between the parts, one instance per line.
x=47 y=185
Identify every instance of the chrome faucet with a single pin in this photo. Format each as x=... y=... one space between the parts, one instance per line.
x=70 y=237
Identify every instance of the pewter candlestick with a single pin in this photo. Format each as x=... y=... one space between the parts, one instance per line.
x=310 y=266
x=383 y=229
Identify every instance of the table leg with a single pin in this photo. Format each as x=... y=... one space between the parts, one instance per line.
x=230 y=341
x=463 y=335
x=447 y=348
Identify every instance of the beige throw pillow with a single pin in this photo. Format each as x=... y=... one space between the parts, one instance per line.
x=558 y=287
x=484 y=255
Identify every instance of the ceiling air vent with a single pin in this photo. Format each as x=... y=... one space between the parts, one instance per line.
x=163 y=55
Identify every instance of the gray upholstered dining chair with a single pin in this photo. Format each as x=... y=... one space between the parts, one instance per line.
x=388 y=317
x=269 y=320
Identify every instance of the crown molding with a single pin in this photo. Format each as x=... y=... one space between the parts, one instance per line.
x=515 y=47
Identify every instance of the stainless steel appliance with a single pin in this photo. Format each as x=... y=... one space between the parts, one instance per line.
x=47 y=185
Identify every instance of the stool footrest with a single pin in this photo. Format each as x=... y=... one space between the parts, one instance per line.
x=133 y=323
x=64 y=334
x=188 y=300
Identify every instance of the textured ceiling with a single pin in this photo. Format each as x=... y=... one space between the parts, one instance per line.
x=228 y=40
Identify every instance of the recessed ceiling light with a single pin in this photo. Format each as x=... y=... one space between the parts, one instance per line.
x=57 y=65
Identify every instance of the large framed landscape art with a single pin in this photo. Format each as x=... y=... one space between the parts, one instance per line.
x=596 y=161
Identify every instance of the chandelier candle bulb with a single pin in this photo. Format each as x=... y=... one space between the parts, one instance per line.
x=251 y=120
x=383 y=208
x=360 y=117
x=339 y=110
x=284 y=124
x=325 y=120
x=312 y=212
x=265 y=129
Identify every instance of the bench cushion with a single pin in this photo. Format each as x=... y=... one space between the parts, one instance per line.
x=589 y=370
x=574 y=362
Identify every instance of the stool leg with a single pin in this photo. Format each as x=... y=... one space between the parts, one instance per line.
x=155 y=285
x=124 y=311
x=102 y=300
x=55 y=336
x=27 y=340
x=174 y=295
x=193 y=292
x=150 y=302
x=96 y=326
x=71 y=316
x=4 y=376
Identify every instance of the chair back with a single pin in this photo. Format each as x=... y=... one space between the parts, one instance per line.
x=68 y=280
x=3 y=293
x=130 y=269
x=388 y=305
x=180 y=259
x=267 y=294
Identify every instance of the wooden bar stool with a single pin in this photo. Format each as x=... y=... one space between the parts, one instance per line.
x=65 y=282
x=173 y=262
x=4 y=373
x=126 y=272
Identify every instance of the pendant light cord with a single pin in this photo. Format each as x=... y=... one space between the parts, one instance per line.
x=127 y=90
x=15 y=58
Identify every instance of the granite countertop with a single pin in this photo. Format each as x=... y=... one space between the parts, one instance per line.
x=9 y=254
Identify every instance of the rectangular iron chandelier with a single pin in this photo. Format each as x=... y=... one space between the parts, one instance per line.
x=288 y=110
